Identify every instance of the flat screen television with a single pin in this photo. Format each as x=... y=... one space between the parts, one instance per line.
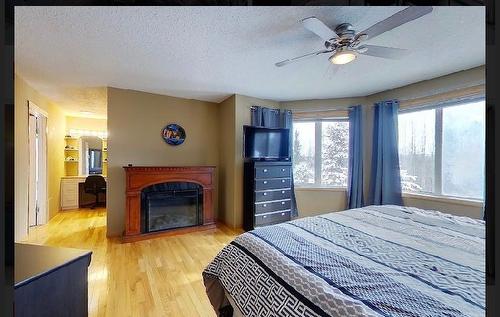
x=266 y=143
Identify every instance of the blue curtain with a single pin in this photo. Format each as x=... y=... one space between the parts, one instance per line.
x=355 y=167
x=266 y=117
x=274 y=118
x=385 y=182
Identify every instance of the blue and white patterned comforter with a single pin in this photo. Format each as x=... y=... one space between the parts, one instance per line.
x=371 y=261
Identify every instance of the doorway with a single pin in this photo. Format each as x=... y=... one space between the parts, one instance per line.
x=37 y=140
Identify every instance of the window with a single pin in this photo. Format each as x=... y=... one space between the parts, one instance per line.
x=320 y=152
x=442 y=150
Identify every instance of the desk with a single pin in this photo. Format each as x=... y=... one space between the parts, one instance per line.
x=70 y=191
x=50 y=281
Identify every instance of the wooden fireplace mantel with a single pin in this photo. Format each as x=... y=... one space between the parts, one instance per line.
x=139 y=177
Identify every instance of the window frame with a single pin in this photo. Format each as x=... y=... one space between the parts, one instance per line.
x=318 y=125
x=438 y=150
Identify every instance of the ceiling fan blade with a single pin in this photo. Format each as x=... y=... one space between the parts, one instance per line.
x=382 y=51
x=288 y=61
x=315 y=25
x=395 y=20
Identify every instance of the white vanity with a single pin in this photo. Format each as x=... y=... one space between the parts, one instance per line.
x=70 y=191
x=83 y=155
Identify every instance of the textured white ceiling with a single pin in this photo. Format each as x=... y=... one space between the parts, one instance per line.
x=208 y=53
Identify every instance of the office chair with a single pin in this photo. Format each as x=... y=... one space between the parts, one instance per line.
x=95 y=184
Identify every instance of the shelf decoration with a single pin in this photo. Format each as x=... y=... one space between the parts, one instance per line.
x=173 y=134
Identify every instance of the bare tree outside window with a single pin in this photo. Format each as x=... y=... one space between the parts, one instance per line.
x=442 y=150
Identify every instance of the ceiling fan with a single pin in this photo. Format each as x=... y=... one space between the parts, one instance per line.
x=344 y=43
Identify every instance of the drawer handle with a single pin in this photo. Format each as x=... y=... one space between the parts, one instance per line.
x=265 y=170
x=265 y=182
x=264 y=216
x=282 y=180
x=282 y=202
x=265 y=194
x=282 y=169
x=282 y=191
x=265 y=205
x=282 y=213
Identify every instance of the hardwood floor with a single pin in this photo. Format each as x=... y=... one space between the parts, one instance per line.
x=157 y=277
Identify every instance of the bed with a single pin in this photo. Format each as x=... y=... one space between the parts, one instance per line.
x=371 y=261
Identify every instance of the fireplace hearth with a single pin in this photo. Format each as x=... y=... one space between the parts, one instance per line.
x=165 y=200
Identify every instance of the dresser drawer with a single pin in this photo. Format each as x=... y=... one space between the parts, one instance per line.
x=272 y=171
x=275 y=194
x=276 y=183
x=272 y=206
x=272 y=218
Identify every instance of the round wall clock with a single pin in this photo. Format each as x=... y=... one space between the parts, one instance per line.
x=173 y=134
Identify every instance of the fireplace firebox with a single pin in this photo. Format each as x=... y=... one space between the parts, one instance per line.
x=167 y=192
x=171 y=205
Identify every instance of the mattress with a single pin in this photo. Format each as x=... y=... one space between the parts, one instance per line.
x=371 y=261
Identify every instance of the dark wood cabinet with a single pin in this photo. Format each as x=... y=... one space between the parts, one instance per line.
x=266 y=193
x=50 y=281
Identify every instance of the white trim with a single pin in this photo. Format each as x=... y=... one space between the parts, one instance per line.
x=43 y=215
x=446 y=199
x=325 y=188
x=34 y=109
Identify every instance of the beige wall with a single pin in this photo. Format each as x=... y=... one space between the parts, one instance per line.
x=322 y=104
x=463 y=79
x=135 y=121
x=456 y=207
x=234 y=113
x=91 y=124
x=243 y=117
x=458 y=80
x=227 y=130
x=316 y=201
x=55 y=153
x=313 y=201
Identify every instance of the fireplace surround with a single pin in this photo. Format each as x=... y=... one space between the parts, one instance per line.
x=156 y=186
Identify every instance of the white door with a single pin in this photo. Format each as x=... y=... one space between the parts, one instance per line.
x=33 y=181
x=37 y=195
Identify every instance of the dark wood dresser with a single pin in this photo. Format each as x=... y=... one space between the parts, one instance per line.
x=266 y=193
x=50 y=281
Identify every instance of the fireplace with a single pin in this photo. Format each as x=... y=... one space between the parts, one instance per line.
x=171 y=205
x=165 y=200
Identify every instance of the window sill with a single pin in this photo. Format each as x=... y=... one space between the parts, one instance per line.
x=446 y=199
x=321 y=188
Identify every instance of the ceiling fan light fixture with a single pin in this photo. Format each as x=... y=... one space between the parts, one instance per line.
x=342 y=57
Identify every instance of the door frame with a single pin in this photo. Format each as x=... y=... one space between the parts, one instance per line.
x=42 y=216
